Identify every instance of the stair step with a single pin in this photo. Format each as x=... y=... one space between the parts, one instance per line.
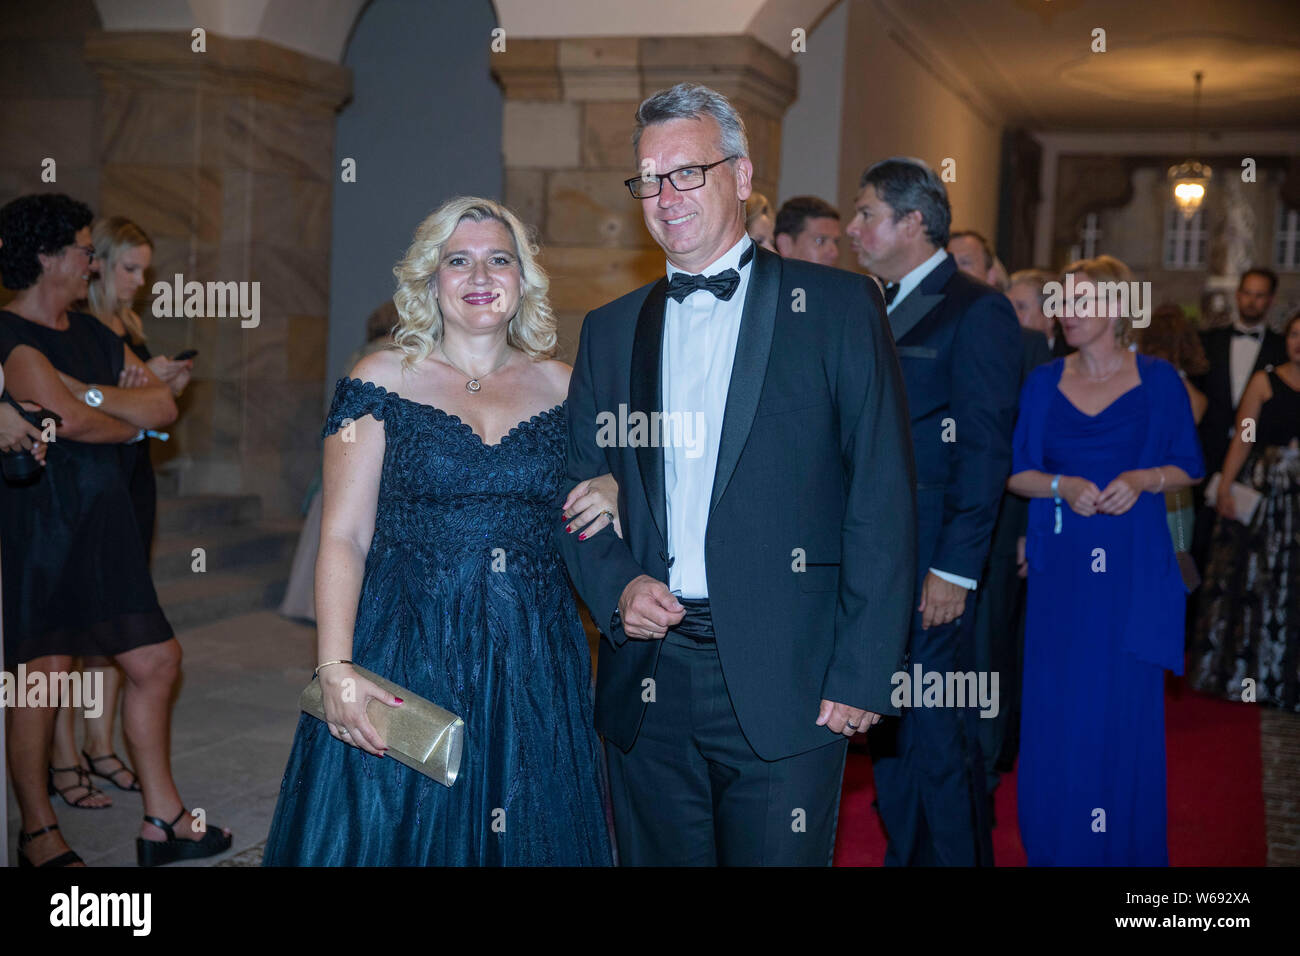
x=203 y=598
x=196 y=512
x=236 y=548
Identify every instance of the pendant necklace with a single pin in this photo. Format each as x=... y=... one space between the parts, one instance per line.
x=473 y=385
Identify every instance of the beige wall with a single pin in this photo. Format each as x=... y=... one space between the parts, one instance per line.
x=895 y=104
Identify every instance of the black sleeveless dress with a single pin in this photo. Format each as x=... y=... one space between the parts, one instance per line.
x=76 y=576
x=1248 y=622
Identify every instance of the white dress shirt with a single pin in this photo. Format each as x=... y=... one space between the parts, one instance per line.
x=905 y=286
x=1243 y=353
x=699 y=347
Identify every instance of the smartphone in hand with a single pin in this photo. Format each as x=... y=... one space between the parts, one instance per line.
x=187 y=354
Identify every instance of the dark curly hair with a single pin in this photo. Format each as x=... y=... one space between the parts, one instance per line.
x=33 y=225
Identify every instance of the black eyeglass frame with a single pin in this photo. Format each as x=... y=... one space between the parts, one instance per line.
x=645 y=178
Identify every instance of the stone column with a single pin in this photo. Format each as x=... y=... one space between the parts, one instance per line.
x=569 y=113
x=226 y=159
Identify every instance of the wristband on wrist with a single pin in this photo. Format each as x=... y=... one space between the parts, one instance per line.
x=1056 y=493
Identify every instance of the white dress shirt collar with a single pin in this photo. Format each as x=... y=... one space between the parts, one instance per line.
x=728 y=260
x=916 y=277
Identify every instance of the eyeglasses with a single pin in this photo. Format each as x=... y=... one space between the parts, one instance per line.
x=684 y=178
x=88 y=250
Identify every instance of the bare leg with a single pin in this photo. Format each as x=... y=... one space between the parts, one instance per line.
x=98 y=731
x=63 y=753
x=30 y=730
x=151 y=673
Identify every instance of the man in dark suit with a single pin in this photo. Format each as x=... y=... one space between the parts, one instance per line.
x=755 y=609
x=959 y=344
x=1235 y=352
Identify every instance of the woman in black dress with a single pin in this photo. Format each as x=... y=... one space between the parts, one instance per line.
x=123 y=252
x=1246 y=641
x=76 y=578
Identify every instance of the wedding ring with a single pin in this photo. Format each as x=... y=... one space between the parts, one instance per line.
x=850 y=725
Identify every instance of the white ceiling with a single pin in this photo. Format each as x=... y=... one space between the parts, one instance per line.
x=1031 y=61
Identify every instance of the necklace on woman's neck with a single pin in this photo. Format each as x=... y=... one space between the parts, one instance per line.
x=473 y=385
x=1109 y=375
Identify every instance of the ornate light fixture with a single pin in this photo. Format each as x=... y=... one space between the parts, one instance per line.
x=1190 y=178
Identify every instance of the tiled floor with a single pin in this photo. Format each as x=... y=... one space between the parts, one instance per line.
x=231 y=732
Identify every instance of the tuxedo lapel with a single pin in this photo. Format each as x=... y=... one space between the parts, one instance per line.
x=749 y=368
x=645 y=396
x=922 y=300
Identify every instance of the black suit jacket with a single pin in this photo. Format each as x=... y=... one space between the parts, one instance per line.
x=814 y=460
x=1221 y=412
x=960 y=348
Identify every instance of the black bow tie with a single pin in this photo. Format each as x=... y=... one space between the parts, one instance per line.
x=722 y=284
x=1256 y=334
x=891 y=293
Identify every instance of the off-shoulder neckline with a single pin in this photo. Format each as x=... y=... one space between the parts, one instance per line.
x=456 y=419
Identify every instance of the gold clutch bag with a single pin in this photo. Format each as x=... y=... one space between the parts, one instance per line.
x=419 y=733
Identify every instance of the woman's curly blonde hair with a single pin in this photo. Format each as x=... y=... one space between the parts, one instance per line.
x=419 y=328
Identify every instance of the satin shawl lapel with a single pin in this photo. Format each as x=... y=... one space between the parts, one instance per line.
x=922 y=300
x=749 y=368
x=645 y=396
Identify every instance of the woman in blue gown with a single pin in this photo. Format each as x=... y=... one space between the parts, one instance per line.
x=438 y=570
x=1104 y=617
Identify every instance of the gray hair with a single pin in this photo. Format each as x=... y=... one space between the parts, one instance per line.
x=907 y=184
x=691 y=101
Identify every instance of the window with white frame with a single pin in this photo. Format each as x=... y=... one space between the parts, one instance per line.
x=1089 y=236
x=1286 y=244
x=1185 y=239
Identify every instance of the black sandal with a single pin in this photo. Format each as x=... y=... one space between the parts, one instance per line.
x=112 y=774
x=83 y=780
x=67 y=858
x=160 y=852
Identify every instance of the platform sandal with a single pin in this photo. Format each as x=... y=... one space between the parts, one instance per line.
x=160 y=852
x=67 y=858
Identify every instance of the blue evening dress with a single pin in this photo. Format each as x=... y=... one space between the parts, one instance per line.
x=465 y=601
x=1104 y=620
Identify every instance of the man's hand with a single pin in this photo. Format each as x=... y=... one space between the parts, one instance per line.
x=941 y=601
x=846 y=720
x=648 y=608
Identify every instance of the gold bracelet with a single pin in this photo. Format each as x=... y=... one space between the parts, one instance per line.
x=328 y=663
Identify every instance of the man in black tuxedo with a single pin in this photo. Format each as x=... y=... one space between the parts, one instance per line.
x=960 y=347
x=755 y=609
x=1235 y=353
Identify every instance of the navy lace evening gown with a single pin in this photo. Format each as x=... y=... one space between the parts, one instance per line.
x=465 y=601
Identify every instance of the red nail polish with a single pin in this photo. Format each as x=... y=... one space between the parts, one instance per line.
x=398 y=699
x=568 y=528
x=583 y=536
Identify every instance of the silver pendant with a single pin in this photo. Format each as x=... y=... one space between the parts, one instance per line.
x=473 y=385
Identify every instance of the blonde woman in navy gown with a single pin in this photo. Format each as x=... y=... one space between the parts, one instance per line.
x=1102 y=434
x=444 y=459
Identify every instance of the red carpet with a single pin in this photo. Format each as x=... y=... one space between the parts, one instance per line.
x=1216 y=803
